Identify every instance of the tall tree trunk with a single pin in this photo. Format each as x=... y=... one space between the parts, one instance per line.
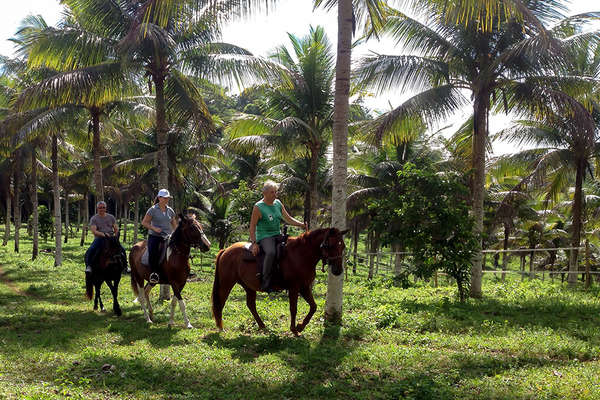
x=136 y=216
x=335 y=284
x=162 y=129
x=66 y=193
x=312 y=184
x=398 y=248
x=98 y=184
x=125 y=219
x=577 y=216
x=481 y=109
x=17 y=199
x=355 y=235
x=8 y=211
x=86 y=219
x=34 y=202
x=505 y=255
x=56 y=201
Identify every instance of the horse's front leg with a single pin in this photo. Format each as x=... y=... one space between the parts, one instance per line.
x=293 y=296
x=306 y=293
x=114 y=289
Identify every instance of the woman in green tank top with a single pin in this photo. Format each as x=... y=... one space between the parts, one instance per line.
x=264 y=228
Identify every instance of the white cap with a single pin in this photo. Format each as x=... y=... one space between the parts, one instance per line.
x=163 y=193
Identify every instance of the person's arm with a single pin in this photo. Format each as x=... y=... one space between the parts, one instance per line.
x=291 y=220
x=146 y=223
x=256 y=215
x=96 y=232
x=115 y=228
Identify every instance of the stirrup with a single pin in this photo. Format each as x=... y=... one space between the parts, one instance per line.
x=153 y=278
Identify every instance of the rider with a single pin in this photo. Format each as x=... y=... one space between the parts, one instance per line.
x=161 y=222
x=102 y=225
x=264 y=229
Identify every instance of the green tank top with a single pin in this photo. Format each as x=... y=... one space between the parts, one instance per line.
x=268 y=224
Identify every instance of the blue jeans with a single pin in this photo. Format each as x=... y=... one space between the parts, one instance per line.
x=154 y=251
x=93 y=250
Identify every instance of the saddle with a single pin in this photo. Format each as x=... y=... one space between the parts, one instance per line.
x=162 y=251
x=281 y=243
x=118 y=257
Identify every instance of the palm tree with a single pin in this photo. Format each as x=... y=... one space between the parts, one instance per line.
x=493 y=54
x=298 y=116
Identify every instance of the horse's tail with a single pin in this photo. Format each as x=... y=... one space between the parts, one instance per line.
x=89 y=286
x=217 y=307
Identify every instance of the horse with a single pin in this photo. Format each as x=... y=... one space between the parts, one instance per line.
x=174 y=270
x=107 y=268
x=297 y=271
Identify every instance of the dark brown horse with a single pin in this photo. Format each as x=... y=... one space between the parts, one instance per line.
x=296 y=273
x=107 y=267
x=174 y=270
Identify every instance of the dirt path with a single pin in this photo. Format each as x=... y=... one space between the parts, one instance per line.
x=10 y=284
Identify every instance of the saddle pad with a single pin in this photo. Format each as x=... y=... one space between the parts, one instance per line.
x=163 y=255
x=145 y=257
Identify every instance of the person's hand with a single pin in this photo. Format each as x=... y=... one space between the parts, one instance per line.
x=157 y=230
x=254 y=249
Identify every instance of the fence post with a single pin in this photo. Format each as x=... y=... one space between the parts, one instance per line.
x=588 y=278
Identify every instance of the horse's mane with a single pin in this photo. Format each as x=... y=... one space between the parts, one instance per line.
x=177 y=234
x=308 y=237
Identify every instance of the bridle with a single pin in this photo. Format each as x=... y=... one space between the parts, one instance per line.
x=324 y=246
x=189 y=243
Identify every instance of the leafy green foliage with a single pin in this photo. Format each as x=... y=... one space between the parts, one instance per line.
x=45 y=223
x=426 y=214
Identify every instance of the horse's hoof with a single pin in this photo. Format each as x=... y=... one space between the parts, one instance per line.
x=189 y=326
x=149 y=321
x=118 y=313
x=299 y=328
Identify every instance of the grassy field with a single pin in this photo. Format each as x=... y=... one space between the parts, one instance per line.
x=530 y=340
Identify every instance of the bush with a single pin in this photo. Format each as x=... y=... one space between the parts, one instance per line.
x=45 y=223
x=427 y=213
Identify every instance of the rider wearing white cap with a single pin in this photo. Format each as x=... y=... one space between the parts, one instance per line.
x=161 y=222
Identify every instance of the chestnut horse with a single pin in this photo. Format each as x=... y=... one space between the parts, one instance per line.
x=107 y=267
x=297 y=271
x=174 y=270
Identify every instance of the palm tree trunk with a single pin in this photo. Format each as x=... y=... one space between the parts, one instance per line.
x=125 y=218
x=355 y=235
x=505 y=254
x=163 y=161
x=66 y=193
x=56 y=190
x=86 y=219
x=8 y=211
x=577 y=213
x=335 y=284
x=136 y=220
x=34 y=202
x=17 y=200
x=99 y=186
x=312 y=184
x=481 y=109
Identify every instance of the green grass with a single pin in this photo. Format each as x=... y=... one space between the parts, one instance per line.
x=530 y=340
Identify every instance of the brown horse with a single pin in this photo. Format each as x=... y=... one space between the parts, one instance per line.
x=296 y=273
x=107 y=267
x=174 y=270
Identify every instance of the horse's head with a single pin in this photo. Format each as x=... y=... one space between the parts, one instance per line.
x=332 y=249
x=192 y=232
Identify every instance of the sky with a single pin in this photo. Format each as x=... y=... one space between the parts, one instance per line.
x=258 y=34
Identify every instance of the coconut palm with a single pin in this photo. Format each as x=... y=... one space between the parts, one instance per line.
x=297 y=118
x=492 y=60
